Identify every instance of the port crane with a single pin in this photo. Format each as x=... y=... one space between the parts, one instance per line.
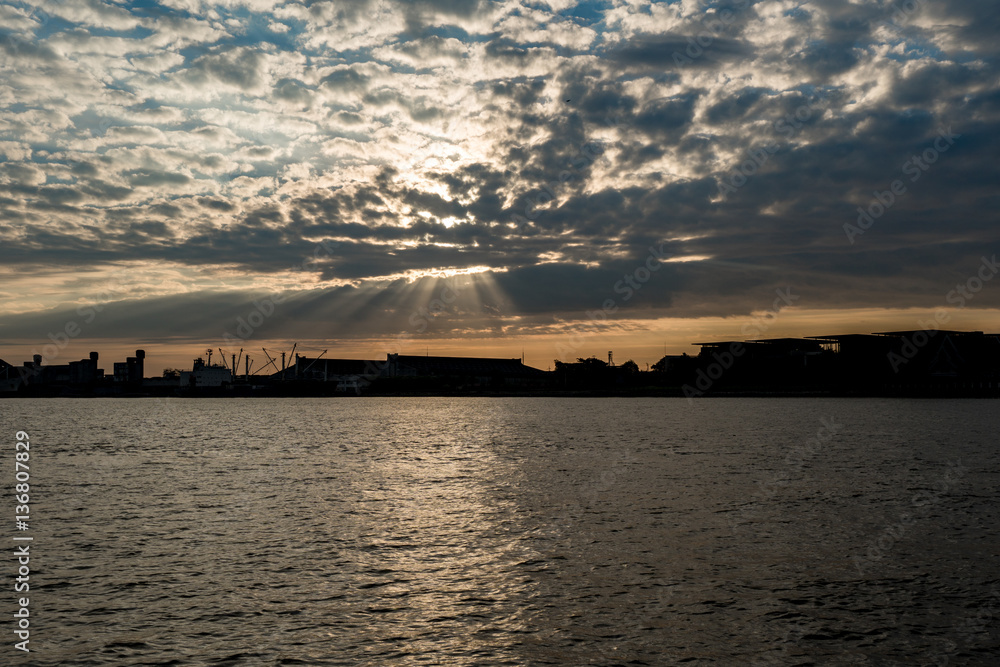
x=273 y=361
x=270 y=361
x=313 y=362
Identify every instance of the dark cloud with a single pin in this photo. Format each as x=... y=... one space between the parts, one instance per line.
x=345 y=80
x=523 y=91
x=822 y=60
x=510 y=52
x=671 y=51
x=734 y=106
x=154 y=178
x=420 y=12
x=293 y=91
x=15 y=46
x=666 y=115
x=240 y=67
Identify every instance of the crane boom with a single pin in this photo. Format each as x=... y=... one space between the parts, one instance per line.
x=269 y=359
x=313 y=362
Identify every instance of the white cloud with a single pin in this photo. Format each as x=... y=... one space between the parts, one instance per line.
x=15 y=150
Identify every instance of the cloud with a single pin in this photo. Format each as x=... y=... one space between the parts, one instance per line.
x=239 y=67
x=349 y=151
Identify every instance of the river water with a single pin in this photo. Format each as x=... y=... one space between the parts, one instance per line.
x=508 y=531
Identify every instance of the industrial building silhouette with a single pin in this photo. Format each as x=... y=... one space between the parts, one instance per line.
x=923 y=362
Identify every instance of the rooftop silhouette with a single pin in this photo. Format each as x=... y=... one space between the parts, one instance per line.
x=916 y=362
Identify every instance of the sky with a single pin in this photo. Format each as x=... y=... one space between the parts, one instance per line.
x=469 y=177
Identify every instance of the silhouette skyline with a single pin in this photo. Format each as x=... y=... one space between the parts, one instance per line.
x=921 y=362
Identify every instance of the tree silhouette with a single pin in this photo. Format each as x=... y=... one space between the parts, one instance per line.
x=662 y=364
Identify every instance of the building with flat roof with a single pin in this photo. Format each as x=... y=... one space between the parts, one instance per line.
x=470 y=370
x=82 y=372
x=10 y=379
